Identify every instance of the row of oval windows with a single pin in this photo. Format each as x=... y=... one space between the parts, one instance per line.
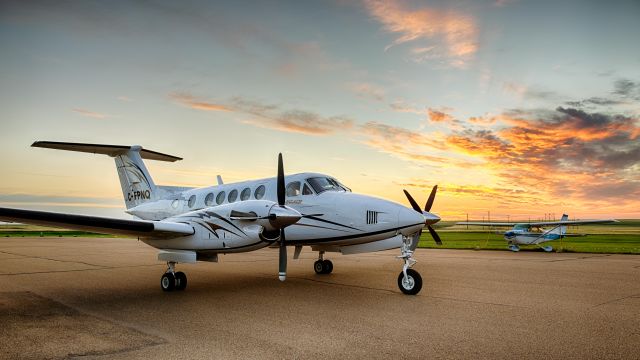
x=233 y=196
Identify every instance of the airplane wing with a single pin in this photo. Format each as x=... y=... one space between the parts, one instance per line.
x=573 y=222
x=543 y=223
x=102 y=225
x=484 y=223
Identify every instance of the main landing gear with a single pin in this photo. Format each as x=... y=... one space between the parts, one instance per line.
x=172 y=280
x=322 y=266
x=409 y=280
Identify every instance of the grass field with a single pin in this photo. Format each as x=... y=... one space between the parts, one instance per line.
x=616 y=238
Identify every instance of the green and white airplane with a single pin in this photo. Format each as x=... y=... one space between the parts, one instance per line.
x=534 y=233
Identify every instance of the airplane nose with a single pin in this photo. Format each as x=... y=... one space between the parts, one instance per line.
x=408 y=216
x=430 y=218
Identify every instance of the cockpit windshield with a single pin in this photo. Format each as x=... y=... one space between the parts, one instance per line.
x=322 y=184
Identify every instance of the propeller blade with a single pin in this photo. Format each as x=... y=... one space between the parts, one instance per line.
x=280 y=183
x=435 y=235
x=413 y=203
x=432 y=196
x=282 y=275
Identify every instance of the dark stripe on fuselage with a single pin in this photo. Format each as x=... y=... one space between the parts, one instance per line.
x=347 y=237
x=329 y=222
x=316 y=226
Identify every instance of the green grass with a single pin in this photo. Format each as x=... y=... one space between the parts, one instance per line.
x=596 y=243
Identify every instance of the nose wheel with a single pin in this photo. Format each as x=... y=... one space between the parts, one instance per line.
x=409 y=280
x=411 y=283
x=172 y=280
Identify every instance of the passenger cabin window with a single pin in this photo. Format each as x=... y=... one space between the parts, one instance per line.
x=192 y=201
x=208 y=201
x=233 y=195
x=293 y=189
x=220 y=197
x=322 y=184
x=259 y=193
x=245 y=194
x=306 y=190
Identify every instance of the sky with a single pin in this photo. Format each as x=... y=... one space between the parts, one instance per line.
x=514 y=109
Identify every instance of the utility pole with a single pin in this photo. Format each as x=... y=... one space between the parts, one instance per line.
x=467 y=221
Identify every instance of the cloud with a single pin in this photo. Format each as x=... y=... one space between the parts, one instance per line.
x=598 y=101
x=562 y=152
x=627 y=89
x=91 y=114
x=190 y=101
x=269 y=116
x=454 y=31
x=523 y=91
x=300 y=121
x=402 y=107
x=367 y=90
x=439 y=116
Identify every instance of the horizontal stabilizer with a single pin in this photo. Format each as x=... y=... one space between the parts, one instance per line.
x=111 y=150
x=102 y=225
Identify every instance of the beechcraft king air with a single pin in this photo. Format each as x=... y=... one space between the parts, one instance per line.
x=198 y=224
x=534 y=233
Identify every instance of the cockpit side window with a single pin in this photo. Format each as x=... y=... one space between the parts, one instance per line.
x=293 y=189
x=306 y=190
x=322 y=184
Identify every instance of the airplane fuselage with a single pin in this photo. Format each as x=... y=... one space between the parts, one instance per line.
x=333 y=216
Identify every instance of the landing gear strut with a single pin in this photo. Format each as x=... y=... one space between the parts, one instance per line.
x=322 y=266
x=172 y=280
x=409 y=280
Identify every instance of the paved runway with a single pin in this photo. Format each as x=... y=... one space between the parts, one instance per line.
x=101 y=298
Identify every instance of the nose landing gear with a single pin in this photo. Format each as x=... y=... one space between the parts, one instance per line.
x=172 y=280
x=409 y=280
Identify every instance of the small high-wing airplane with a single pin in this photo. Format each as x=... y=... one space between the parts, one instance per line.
x=197 y=224
x=533 y=233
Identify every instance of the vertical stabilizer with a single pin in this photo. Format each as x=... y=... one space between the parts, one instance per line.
x=137 y=185
x=136 y=182
x=561 y=229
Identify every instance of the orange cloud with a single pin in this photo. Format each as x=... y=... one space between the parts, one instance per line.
x=367 y=90
x=439 y=116
x=190 y=101
x=458 y=32
x=90 y=114
x=270 y=116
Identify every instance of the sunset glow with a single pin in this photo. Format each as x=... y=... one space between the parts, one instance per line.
x=514 y=108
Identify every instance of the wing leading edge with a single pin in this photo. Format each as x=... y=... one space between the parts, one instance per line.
x=543 y=223
x=103 y=225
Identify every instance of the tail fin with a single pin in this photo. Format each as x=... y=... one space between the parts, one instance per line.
x=562 y=229
x=137 y=185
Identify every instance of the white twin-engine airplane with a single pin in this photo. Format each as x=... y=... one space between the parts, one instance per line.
x=191 y=224
x=533 y=233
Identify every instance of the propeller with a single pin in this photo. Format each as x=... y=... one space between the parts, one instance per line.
x=282 y=262
x=428 y=220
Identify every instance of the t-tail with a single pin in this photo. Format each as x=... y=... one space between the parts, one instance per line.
x=137 y=185
x=562 y=229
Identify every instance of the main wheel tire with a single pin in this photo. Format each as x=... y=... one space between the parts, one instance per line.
x=168 y=282
x=181 y=281
x=318 y=266
x=412 y=285
x=327 y=267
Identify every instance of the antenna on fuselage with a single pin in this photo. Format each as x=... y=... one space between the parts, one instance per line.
x=220 y=182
